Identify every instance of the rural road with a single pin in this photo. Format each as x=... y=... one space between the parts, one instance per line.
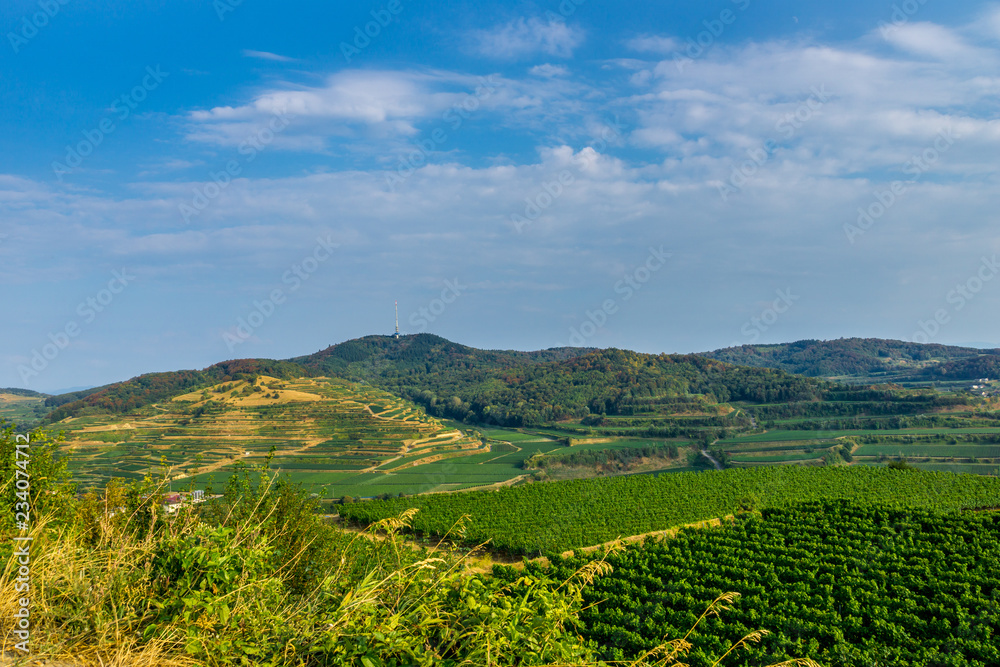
x=718 y=466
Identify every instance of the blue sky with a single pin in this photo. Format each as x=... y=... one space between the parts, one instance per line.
x=184 y=181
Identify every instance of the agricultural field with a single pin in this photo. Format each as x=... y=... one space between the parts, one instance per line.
x=557 y=516
x=323 y=433
x=21 y=409
x=844 y=583
x=974 y=450
x=339 y=439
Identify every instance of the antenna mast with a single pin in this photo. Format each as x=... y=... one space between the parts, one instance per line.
x=396 y=304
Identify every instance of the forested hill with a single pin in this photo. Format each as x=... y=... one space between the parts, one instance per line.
x=973 y=368
x=22 y=392
x=377 y=360
x=145 y=389
x=529 y=388
x=863 y=357
x=385 y=356
x=513 y=388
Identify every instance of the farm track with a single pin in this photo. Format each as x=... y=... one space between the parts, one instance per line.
x=718 y=466
x=480 y=563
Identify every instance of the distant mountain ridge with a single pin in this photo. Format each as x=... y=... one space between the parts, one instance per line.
x=860 y=357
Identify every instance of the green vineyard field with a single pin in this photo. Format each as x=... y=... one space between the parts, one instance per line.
x=850 y=584
x=552 y=517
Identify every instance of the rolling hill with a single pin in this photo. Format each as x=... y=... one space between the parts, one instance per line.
x=22 y=406
x=625 y=411
x=318 y=430
x=531 y=388
x=873 y=359
x=143 y=390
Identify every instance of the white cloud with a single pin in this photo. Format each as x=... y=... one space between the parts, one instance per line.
x=929 y=39
x=876 y=113
x=548 y=70
x=267 y=55
x=379 y=103
x=383 y=111
x=527 y=37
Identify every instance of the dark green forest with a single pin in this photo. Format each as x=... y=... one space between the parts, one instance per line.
x=864 y=357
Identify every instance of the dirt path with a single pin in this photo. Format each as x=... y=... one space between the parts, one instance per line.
x=718 y=466
x=483 y=562
x=212 y=467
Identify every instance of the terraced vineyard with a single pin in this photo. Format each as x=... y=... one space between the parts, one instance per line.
x=542 y=518
x=24 y=409
x=353 y=438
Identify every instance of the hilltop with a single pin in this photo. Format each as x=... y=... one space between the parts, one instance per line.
x=28 y=393
x=411 y=365
x=120 y=397
x=530 y=388
x=22 y=406
x=873 y=359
